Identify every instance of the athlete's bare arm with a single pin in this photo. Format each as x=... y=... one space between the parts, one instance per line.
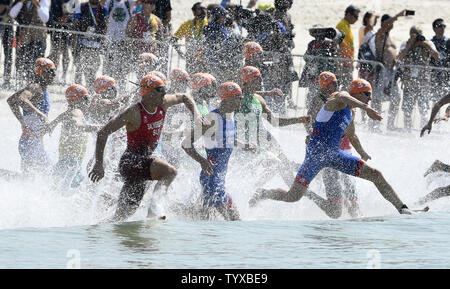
x=24 y=99
x=174 y=99
x=343 y=98
x=129 y=118
x=280 y=121
x=443 y=101
x=200 y=129
x=354 y=139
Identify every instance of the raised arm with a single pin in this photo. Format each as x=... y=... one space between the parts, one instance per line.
x=174 y=99
x=280 y=121
x=342 y=99
x=354 y=140
x=126 y=118
x=22 y=100
x=193 y=135
x=443 y=101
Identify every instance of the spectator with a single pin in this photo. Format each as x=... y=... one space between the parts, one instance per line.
x=60 y=15
x=348 y=45
x=192 y=32
x=440 y=41
x=33 y=40
x=286 y=73
x=147 y=30
x=416 y=51
x=6 y=33
x=368 y=29
x=119 y=15
x=164 y=11
x=384 y=89
x=89 y=17
x=321 y=47
x=218 y=45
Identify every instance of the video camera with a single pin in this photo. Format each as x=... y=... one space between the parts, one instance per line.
x=335 y=35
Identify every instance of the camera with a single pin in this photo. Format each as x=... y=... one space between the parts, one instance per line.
x=335 y=35
x=420 y=37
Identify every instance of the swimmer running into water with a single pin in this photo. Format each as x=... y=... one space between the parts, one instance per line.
x=323 y=151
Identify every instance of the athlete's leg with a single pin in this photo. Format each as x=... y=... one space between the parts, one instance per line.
x=350 y=196
x=164 y=174
x=332 y=205
x=435 y=194
x=129 y=199
x=376 y=177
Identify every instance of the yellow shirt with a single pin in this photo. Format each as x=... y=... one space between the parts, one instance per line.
x=348 y=46
x=189 y=29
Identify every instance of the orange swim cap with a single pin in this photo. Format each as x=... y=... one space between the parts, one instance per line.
x=359 y=85
x=102 y=83
x=147 y=59
x=251 y=48
x=249 y=72
x=326 y=78
x=229 y=89
x=160 y=75
x=178 y=74
x=149 y=82
x=75 y=92
x=43 y=64
x=200 y=80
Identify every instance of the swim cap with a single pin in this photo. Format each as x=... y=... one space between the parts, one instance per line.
x=359 y=85
x=160 y=75
x=146 y=59
x=149 y=82
x=251 y=48
x=326 y=78
x=102 y=83
x=75 y=92
x=248 y=73
x=200 y=80
x=229 y=89
x=178 y=74
x=43 y=64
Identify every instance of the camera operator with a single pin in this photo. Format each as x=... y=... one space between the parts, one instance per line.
x=6 y=33
x=416 y=82
x=323 y=45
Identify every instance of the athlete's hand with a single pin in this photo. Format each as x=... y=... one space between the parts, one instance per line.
x=251 y=147
x=277 y=92
x=97 y=173
x=202 y=122
x=427 y=127
x=365 y=157
x=207 y=166
x=373 y=114
x=438 y=119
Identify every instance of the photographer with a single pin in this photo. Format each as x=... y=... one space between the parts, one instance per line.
x=325 y=44
x=89 y=17
x=33 y=41
x=6 y=33
x=416 y=81
x=384 y=88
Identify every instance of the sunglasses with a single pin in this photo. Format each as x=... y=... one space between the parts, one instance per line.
x=440 y=26
x=367 y=93
x=160 y=89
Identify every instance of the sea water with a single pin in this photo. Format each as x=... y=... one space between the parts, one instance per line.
x=41 y=227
